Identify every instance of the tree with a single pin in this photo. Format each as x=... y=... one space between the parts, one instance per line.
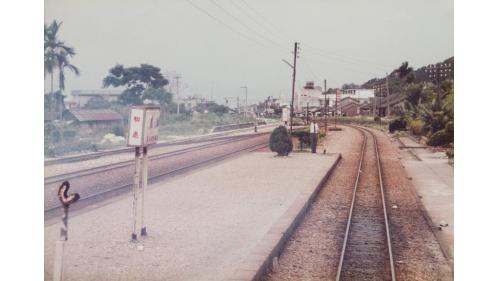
x=56 y=55
x=136 y=80
x=350 y=86
x=405 y=73
x=160 y=96
x=97 y=103
x=212 y=107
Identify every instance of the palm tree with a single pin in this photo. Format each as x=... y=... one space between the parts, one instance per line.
x=63 y=63
x=56 y=55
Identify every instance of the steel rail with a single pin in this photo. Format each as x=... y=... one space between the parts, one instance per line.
x=382 y=191
x=381 y=185
x=187 y=167
x=121 y=164
x=346 y=235
x=94 y=155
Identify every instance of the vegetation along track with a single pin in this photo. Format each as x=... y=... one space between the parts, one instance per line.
x=367 y=251
x=107 y=182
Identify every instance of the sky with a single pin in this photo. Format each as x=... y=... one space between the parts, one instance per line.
x=219 y=46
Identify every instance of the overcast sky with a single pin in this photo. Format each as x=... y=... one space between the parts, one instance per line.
x=242 y=42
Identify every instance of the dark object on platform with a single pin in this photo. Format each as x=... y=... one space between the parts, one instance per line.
x=314 y=142
x=335 y=129
x=66 y=199
x=303 y=136
x=397 y=125
x=281 y=141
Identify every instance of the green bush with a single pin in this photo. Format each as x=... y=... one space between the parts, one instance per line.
x=417 y=127
x=303 y=136
x=449 y=129
x=397 y=125
x=440 y=138
x=376 y=119
x=281 y=141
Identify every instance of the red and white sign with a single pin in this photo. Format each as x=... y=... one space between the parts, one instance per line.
x=144 y=123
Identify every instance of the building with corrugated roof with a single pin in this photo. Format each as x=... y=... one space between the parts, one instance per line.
x=94 y=118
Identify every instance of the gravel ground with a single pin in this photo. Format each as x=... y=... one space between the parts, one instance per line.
x=367 y=255
x=93 y=184
x=314 y=249
x=417 y=254
x=311 y=253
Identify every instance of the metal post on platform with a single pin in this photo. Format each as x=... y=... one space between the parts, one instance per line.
x=307 y=114
x=66 y=200
x=143 y=186
x=137 y=183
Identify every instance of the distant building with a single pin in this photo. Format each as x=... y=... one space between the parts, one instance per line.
x=308 y=96
x=362 y=95
x=191 y=102
x=81 y=97
x=94 y=118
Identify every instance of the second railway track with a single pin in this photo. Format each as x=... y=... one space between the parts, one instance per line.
x=367 y=251
x=93 y=187
x=120 y=164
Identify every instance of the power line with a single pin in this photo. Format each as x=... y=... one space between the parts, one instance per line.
x=279 y=30
x=309 y=68
x=246 y=26
x=318 y=50
x=223 y=23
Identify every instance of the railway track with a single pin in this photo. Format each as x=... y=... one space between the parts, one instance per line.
x=107 y=167
x=94 y=155
x=88 y=198
x=366 y=251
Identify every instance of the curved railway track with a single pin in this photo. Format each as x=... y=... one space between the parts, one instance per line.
x=104 y=191
x=366 y=251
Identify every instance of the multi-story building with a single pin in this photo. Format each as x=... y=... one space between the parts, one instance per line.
x=308 y=96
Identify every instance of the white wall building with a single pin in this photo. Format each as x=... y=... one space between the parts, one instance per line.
x=362 y=95
x=309 y=94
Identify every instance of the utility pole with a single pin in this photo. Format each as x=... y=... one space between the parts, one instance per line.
x=246 y=99
x=296 y=45
x=326 y=112
x=387 y=94
x=336 y=110
x=177 y=89
x=238 y=104
x=307 y=116
x=212 y=92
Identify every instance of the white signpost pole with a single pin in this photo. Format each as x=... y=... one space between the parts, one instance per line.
x=143 y=186
x=137 y=180
x=143 y=131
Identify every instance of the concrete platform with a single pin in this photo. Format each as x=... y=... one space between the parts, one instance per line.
x=432 y=178
x=207 y=225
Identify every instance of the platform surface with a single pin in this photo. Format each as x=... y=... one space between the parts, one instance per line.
x=200 y=225
x=432 y=177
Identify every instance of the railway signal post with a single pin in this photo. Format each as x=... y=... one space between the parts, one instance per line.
x=144 y=124
x=66 y=200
